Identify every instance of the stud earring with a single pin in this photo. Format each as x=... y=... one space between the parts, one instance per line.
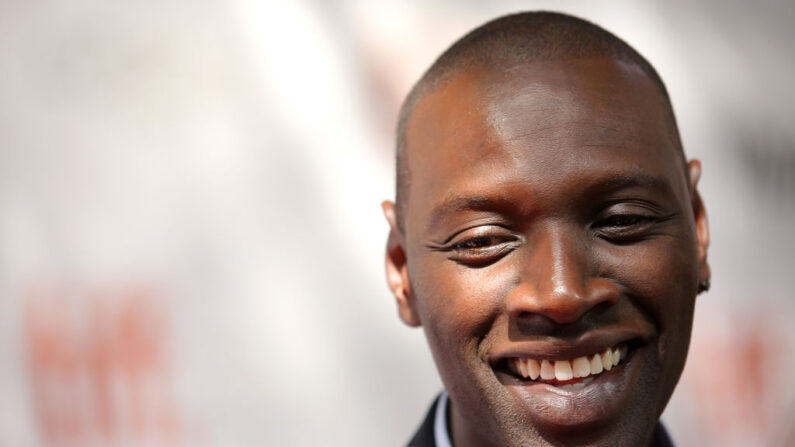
x=704 y=286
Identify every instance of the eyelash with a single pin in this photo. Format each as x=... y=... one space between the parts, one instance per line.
x=624 y=227
x=624 y=220
x=482 y=250
x=474 y=241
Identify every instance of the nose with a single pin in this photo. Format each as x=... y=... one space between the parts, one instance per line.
x=559 y=280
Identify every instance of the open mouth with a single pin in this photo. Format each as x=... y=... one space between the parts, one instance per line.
x=568 y=374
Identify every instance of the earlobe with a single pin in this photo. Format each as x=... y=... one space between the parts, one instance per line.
x=397 y=270
x=702 y=224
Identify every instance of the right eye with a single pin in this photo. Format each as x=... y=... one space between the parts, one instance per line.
x=477 y=243
x=479 y=250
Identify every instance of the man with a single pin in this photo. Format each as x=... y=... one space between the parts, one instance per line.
x=547 y=235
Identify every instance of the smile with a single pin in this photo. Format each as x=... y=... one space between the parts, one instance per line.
x=567 y=373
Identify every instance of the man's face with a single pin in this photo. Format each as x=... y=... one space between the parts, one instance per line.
x=549 y=220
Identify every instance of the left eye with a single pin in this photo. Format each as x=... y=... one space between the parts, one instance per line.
x=623 y=220
x=621 y=228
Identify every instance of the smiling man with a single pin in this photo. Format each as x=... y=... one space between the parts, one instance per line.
x=547 y=235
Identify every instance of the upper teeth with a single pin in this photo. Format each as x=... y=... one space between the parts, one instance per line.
x=564 y=370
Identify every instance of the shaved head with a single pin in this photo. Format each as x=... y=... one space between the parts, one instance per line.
x=507 y=42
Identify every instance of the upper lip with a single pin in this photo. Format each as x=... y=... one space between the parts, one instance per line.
x=545 y=348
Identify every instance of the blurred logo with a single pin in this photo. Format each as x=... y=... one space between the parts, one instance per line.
x=98 y=370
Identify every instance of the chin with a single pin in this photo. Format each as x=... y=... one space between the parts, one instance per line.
x=616 y=406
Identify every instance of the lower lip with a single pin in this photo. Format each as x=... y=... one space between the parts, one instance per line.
x=599 y=400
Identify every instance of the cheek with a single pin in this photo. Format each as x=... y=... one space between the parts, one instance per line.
x=458 y=305
x=661 y=276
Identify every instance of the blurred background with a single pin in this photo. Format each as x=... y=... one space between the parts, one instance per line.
x=191 y=244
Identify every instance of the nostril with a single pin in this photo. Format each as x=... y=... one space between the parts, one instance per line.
x=602 y=306
x=562 y=304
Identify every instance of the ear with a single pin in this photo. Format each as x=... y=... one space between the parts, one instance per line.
x=700 y=215
x=397 y=274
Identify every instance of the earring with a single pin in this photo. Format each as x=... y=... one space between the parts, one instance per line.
x=704 y=286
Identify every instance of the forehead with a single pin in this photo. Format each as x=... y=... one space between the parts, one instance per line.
x=548 y=126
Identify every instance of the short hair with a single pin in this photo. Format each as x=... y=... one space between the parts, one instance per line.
x=514 y=40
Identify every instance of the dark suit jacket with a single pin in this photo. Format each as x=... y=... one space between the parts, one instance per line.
x=424 y=436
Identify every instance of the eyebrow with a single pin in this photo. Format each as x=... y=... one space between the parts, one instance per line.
x=623 y=181
x=460 y=204
x=505 y=205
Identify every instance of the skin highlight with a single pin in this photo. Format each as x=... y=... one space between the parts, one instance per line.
x=549 y=217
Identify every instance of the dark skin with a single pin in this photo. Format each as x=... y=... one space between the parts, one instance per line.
x=550 y=216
